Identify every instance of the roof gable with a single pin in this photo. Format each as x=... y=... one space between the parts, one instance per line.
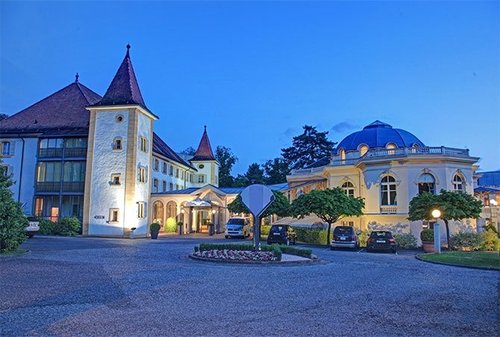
x=62 y=110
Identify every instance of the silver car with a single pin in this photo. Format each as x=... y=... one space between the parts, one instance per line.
x=238 y=227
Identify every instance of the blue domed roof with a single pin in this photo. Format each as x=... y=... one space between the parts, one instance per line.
x=378 y=134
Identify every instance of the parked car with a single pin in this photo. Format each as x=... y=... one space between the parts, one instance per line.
x=238 y=227
x=344 y=237
x=381 y=240
x=32 y=228
x=281 y=234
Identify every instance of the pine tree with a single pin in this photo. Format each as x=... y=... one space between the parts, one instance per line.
x=307 y=148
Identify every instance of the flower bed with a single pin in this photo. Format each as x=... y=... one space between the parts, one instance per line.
x=237 y=255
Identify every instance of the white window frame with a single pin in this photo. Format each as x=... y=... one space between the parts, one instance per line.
x=388 y=190
x=348 y=188
x=460 y=182
x=111 y=211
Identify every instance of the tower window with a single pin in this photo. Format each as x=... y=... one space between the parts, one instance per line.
x=142 y=176
x=115 y=179
x=201 y=178
x=117 y=143
x=114 y=214
x=119 y=118
x=141 y=210
x=143 y=143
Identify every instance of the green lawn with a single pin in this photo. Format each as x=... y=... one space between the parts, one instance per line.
x=468 y=259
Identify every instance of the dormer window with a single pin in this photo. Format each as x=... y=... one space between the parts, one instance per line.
x=390 y=147
x=342 y=154
x=117 y=144
x=363 y=149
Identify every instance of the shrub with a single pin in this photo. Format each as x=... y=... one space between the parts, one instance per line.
x=154 y=227
x=490 y=241
x=67 y=227
x=406 y=241
x=466 y=241
x=427 y=235
x=12 y=220
x=363 y=238
x=170 y=226
x=296 y=251
x=46 y=227
x=311 y=235
x=490 y=227
x=264 y=230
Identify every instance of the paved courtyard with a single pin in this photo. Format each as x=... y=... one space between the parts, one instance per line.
x=112 y=287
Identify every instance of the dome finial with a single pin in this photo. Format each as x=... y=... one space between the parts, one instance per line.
x=77 y=77
x=128 y=49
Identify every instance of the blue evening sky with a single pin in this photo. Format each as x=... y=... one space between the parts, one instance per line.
x=256 y=72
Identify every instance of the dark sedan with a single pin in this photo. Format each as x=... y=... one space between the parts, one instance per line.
x=381 y=240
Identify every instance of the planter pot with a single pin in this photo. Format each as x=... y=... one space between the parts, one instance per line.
x=428 y=246
x=154 y=234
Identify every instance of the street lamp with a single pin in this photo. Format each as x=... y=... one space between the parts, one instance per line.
x=436 y=214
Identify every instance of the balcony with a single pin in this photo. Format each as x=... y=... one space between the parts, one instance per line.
x=55 y=186
x=70 y=152
x=75 y=186
x=48 y=186
x=388 y=209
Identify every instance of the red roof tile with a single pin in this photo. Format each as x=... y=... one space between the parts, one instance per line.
x=65 y=109
x=161 y=148
x=124 y=88
x=204 y=151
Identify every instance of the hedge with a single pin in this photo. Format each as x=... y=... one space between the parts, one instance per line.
x=311 y=235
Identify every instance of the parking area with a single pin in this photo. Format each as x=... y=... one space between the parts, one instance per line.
x=114 y=287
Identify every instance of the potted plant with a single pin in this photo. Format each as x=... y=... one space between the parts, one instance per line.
x=427 y=237
x=179 y=227
x=154 y=229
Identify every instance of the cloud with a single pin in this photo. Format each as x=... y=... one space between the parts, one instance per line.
x=343 y=126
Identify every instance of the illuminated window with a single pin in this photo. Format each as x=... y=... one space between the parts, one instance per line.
x=458 y=183
x=143 y=143
x=142 y=176
x=426 y=183
x=114 y=215
x=141 y=210
x=363 y=149
x=348 y=188
x=342 y=154
x=390 y=147
x=388 y=191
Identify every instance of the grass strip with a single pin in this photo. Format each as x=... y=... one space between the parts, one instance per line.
x=467 y=259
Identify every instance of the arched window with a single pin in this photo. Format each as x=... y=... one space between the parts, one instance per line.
x=426 y=183
x=388 y=191
x=458 y=183
x=342 y=154
x=158 y=211
x=390 y=147
x=171 y=209
x=348 y=188
x=363 y=149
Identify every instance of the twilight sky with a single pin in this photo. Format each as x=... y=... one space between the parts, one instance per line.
x=256 y=72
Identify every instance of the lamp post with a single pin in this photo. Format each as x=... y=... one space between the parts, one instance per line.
x=436 y=214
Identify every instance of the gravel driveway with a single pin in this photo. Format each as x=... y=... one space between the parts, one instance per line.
x=113 y=287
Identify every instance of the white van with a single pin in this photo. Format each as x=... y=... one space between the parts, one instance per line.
x=238 y=227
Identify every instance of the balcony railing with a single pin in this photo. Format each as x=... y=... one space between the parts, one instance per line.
x=55 y=186
x=70 y=152
x=374 y=154
x=51 y=186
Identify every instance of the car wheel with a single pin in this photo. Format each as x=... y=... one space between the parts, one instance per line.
x=394 y=250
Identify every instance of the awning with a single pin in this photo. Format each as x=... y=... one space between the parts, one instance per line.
x=198 y=203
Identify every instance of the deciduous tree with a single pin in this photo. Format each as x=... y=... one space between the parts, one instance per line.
x=226 y=160
x=330 y=205
x=453 y=206
x=276 y=171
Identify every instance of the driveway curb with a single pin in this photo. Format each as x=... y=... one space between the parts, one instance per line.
x=418 y=257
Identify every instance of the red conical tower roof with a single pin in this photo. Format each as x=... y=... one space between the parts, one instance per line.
x=204 y=151
x=124 y=88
